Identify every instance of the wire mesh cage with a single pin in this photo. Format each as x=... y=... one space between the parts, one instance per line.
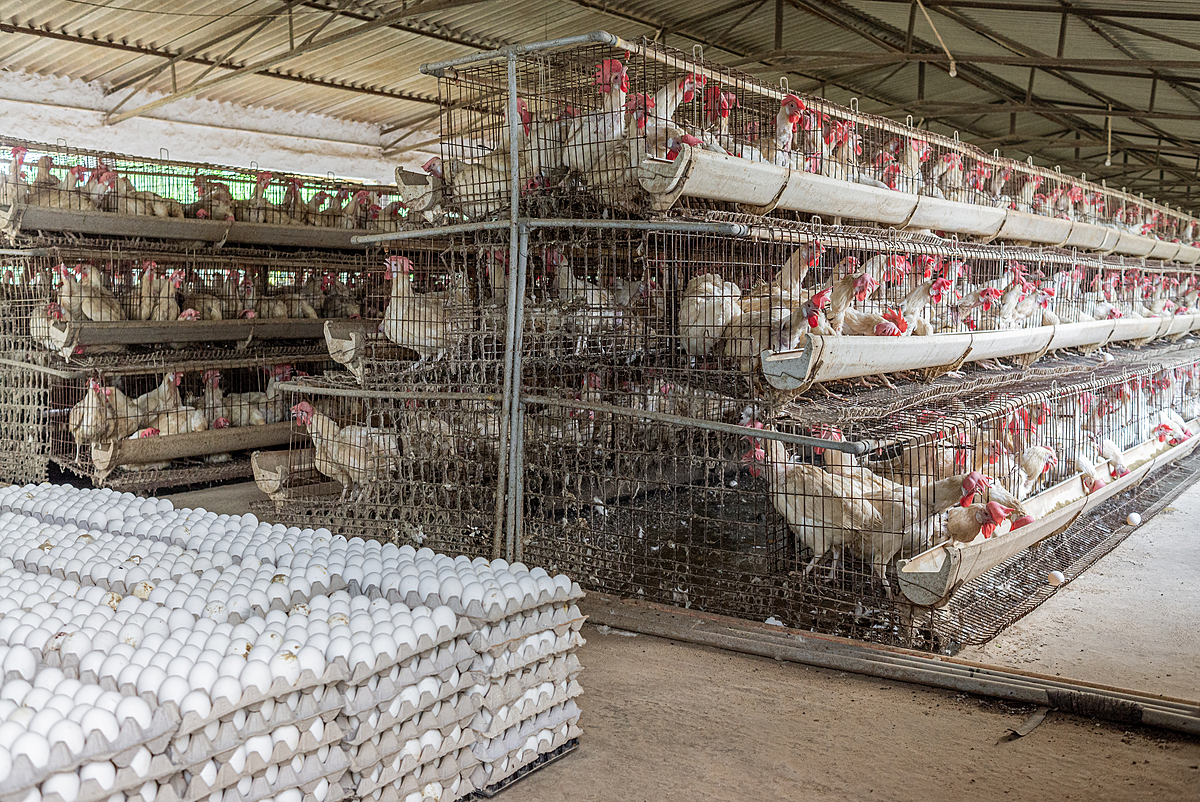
x=784 y=524
x=416 y=468
x=161 y=421
x=84 y=298
x=61 y=177
x=633 y=127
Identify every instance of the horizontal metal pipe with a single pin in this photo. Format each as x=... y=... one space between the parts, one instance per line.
x=399 y=395
x=25 y=252
x=673 y=226
x=423 y=233
x=857 y=447
x=438 y=68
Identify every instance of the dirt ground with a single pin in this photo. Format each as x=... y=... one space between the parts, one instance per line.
x=1130 y=620
x=664 y=720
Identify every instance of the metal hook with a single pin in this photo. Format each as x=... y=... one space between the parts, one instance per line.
x=956 y=136
x=698 y=52
x=164 y=154
x=254 y=164
x=854 y=105
x=995 y=153
x=909 y=121
x=783 y=84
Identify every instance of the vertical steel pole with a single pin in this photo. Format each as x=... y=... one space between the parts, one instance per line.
x=512 y=325
x=516 y=428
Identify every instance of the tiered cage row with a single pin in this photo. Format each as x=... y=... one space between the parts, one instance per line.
x=633 y=128
x=216 y=655
x=56 y=187
x=635 y=376
x=143 y=365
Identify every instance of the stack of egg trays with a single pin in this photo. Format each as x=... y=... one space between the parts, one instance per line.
x=208 y=762
x=526 y=662
x=199 y=763
x=138 y=753
x=406 y=729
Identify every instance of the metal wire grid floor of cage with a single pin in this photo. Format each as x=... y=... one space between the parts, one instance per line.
x=990 y=603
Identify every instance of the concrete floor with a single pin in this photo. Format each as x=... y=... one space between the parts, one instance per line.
x=1132 y=620
x=664 y=720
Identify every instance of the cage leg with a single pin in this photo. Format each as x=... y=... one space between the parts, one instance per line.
x=837 y=559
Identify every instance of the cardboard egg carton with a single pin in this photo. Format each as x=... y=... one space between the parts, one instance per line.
x=312 y=771
x=453 y=697
x=433 y=659
x=493 y=723
x=387 y=743
x=505 y=690
x=390 y=773
x=439 y=770
x=229 y=736
x=334 y=673
x=500 y=609
x=488 y=774
x=130 y=737
x=501 y=637
x=490 y=750
x=513 y=660
x=447 y=790
x=127 y=779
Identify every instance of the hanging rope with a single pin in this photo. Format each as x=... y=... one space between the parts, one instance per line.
x=946 y=50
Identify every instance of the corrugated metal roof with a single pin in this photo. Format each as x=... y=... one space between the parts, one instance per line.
x=374 y=77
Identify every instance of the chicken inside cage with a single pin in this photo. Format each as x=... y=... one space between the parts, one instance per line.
x=63 y=178
x=87 y=299
x=105 y=423
x=630 y=130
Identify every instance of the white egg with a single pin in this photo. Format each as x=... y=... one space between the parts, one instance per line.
x=256 y=675
x=1056 y=578
x=64 y=784
x=227 y=687
x=136 y=710
x=1134 y=519
x=285 y=665
x=173 y=689
x=34 y=746
x=103 y=772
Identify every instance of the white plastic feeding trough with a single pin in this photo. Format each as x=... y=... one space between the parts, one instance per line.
x=1188 y=254
x=1086 y=236
x=763 y=187
x=931 y=577
x=825 y=358
x=964 y=218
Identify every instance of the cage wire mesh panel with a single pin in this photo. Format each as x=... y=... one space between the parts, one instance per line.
x=85 y=298
x=638 y=127
x=158 y=422
x=47 y=176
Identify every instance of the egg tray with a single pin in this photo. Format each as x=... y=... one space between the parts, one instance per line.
x=458 y=700
x=421 y=663
x=229 y=739
x=490 y=750
x=409 y=763
x=510 y=662
x=387 y=743
x=229 y=736
x=452 y=764
x=313 y=770
x=484 y=777
x=130 y=737
x=392 y=793
x=498 y=641
x=506 y=690
x=223 y=708
x=127 y=779
x=497 y=611
x=543 y=760
x=492 y=724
